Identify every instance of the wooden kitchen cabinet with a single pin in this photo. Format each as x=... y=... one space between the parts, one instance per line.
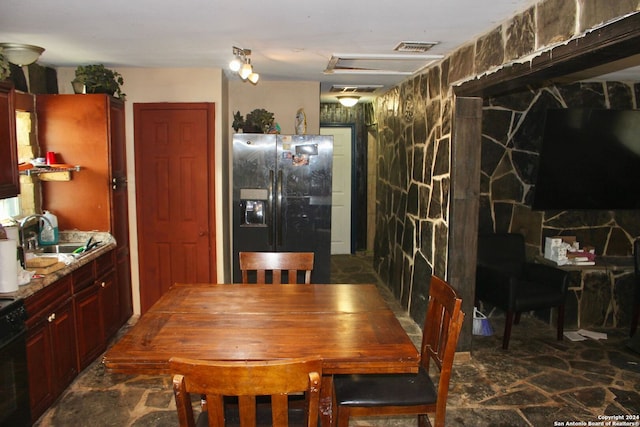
x=89 y=130
x=90 y=329
x=96 y=307
x=9 y=180
x=69 y=323
x=51 y=344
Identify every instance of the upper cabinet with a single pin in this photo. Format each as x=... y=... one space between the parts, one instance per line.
x=9 y=180
x=83 y=130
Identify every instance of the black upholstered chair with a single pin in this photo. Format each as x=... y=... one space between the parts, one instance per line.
x=635 y=314
x=506 y=280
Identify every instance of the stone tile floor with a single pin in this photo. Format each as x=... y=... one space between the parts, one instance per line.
x=538 y=382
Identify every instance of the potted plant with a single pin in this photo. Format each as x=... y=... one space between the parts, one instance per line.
x=5 y=68
x=97 y=78
x=258 y=121
x=238 y=121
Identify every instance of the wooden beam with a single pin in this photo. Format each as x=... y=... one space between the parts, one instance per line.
x=611 y=42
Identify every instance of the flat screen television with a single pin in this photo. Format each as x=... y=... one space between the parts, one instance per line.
x=590 y=159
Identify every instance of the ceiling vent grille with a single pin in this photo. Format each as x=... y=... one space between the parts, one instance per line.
x=379 y=64
x=352 y=89
x=417 y=47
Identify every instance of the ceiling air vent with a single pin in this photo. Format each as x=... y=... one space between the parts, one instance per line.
x=351 y=89
x=379 y=64
x=417 y=47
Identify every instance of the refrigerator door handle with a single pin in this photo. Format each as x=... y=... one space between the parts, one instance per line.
x=279 y=218
x=270 y=217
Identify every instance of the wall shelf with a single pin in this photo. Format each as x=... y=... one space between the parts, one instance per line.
x=40 y=170
x=51 y=173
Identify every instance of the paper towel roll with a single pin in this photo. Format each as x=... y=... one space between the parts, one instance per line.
x=8 y=266
x=12 y=232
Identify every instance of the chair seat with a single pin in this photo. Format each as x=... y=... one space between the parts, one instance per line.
x=385 y=390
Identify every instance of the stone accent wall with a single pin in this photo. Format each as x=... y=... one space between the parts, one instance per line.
x=413 y=189
x=414 y=134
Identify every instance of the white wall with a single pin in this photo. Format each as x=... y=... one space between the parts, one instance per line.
x=282 y=98
x=172 y=85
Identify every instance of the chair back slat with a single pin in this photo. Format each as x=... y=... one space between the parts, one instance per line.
x=441 y=331
x=265 y=264
x=246 y=380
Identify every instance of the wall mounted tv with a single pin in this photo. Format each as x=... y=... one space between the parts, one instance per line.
x=590 y=159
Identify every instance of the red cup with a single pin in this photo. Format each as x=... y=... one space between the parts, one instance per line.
x=50 y=158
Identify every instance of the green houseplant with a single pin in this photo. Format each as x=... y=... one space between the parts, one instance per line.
x=258 y=121
x=96 y=78
x=238 y=121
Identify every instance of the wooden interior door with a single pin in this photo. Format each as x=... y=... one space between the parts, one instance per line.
x=174 y=152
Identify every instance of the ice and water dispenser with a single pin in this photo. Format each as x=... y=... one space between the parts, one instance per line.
x=253 y=207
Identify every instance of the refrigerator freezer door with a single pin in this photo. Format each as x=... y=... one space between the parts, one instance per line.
x=254 y=170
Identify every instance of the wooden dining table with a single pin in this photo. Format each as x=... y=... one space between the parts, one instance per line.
x=349 y=326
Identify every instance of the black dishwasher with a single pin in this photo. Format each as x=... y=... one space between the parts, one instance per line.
x=14 y=379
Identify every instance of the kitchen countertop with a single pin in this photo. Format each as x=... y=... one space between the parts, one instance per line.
x=108 y=243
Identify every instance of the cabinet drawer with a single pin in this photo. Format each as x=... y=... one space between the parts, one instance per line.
x=44 y=299
x=83 y=277
x=104 y=263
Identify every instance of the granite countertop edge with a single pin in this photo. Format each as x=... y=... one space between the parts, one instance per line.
x=108 y=242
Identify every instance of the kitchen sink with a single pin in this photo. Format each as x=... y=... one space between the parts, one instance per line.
x=62 y=248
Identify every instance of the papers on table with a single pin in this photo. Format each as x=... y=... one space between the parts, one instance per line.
x=583 y=334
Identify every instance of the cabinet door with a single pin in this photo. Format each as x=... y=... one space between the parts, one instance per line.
x=89 y=326
x=63 y=339
x=9 y=180
x=110 y=304
x=40 y=365
x=76 y=127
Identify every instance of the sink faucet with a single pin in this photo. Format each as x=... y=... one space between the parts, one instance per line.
x=24 y=221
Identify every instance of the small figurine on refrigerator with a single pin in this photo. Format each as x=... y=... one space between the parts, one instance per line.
x=301 y=122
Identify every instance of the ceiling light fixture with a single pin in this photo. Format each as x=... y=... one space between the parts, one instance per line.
x=241 y=64
x=21 y=54
x=348 y=101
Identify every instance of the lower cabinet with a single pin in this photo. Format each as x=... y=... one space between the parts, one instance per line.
x=51 y=344
x=96 y=306
x=68 y=326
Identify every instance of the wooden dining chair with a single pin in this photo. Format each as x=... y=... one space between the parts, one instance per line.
x=410 y=394
x=216 y=380
x=271 y=265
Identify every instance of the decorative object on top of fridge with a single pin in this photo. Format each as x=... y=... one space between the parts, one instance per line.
x=301 y=122
x=258 y=121
x=238 y=122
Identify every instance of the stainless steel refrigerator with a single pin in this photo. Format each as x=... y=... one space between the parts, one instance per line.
x=282 y=197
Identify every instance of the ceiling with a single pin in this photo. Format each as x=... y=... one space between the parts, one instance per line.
x=289 y=40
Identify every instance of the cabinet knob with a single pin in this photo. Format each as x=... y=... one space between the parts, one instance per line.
x=103 y=284
x=51 y=318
